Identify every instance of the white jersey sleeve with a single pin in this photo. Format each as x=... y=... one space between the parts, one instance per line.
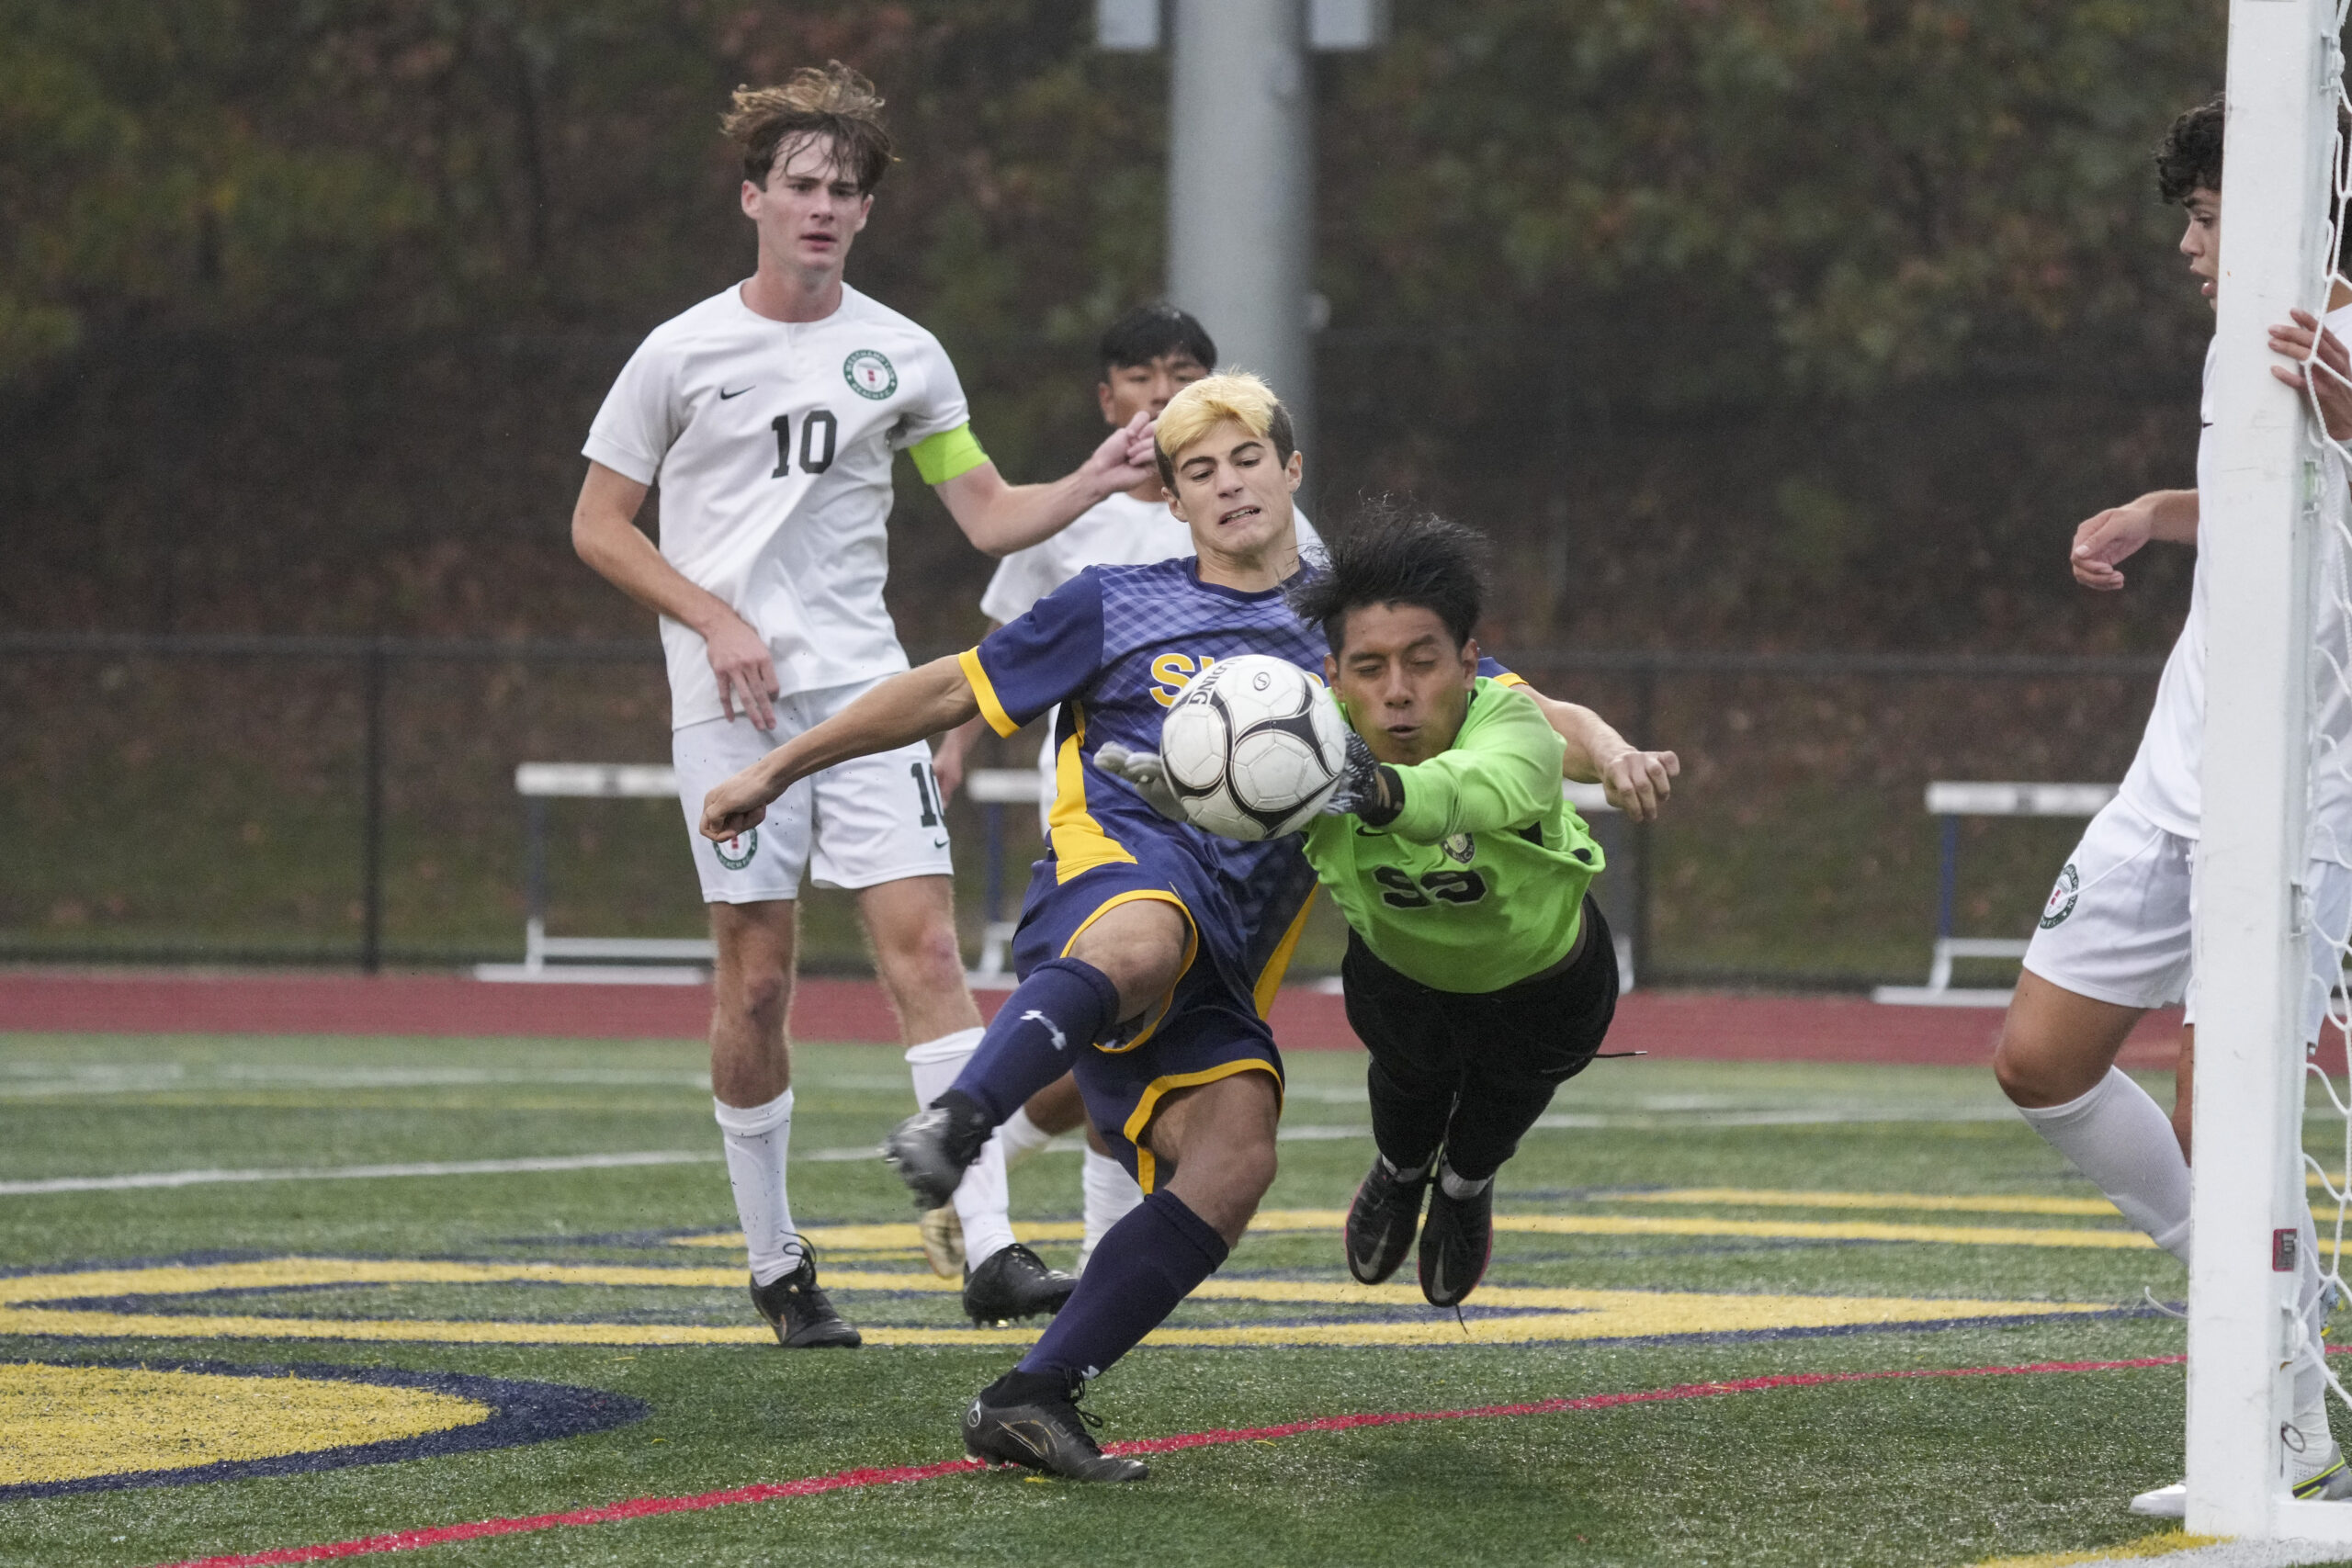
x=641 y=415
x=939 y=406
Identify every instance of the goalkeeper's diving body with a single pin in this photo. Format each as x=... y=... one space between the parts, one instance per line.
x=1480 y=972
x=2114 y=939
x=1149 y=950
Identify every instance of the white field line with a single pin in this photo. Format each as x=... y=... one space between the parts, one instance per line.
x=357 y=1172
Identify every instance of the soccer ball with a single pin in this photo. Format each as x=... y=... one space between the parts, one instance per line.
x=1253 y=748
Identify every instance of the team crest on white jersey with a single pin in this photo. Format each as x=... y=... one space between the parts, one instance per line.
x=737 y=853
x=870 y=374
x=2062 y=897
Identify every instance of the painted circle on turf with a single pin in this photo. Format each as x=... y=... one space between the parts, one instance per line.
x=84 y=1427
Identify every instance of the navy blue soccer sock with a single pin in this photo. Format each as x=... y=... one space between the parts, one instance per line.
x=1063 y=1007
x=1141 y=1269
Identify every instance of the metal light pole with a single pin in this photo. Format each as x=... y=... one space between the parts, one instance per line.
x=1241 y=167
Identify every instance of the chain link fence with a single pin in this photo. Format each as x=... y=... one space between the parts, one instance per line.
x=347 y=801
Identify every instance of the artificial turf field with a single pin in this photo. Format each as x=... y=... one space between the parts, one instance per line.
x=1731 y=1239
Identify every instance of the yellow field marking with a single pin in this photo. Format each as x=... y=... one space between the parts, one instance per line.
x=1551 y=1313
x=2161 y=1545
x=67 y=1422
x=901 y=1239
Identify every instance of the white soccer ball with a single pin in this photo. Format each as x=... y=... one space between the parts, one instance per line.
x=1253 y=748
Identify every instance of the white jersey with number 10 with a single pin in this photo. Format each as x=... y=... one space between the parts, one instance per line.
x=771 y=442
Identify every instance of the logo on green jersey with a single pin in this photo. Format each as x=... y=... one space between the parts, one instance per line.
x=2062 y=897
x=748 y=842
x=1461 y=849
x=870 y=374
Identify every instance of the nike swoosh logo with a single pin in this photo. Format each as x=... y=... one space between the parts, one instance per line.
x=724 y=394
x=1437 y=1278
x=939 y=844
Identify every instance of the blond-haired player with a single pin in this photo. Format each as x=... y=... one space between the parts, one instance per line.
x=770 y=414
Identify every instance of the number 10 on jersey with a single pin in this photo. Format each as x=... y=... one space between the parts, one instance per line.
x=819 y=431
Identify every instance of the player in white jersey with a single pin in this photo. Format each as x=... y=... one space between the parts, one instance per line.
x=1145 y=358
x=771 y=413
x=2114 y=939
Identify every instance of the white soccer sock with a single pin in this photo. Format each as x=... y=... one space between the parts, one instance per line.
x=2122 y=1139
x=2311 y=1305
x=1021 y=1138
x=1111 y=1195
x=1460 y=1186
x=756 y=1137
x=981 y=1199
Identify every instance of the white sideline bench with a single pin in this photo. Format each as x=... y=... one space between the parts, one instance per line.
x=1948 y=802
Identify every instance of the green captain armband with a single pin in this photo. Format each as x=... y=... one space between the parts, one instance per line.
x=941 y=457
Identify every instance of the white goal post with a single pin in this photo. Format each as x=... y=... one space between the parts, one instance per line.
x=2257 y=536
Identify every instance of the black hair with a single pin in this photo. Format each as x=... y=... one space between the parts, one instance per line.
x=2189 y=157
x=1396 y=553
x=1148 y=331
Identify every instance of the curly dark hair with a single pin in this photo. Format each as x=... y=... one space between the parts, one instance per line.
x=2189 y=157
x=1396 y=553
x=831 y=101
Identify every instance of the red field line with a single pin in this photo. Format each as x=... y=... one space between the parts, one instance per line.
x=1696 y=1026
x=847 y=1480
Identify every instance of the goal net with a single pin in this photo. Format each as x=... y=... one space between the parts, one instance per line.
x=2274 y=893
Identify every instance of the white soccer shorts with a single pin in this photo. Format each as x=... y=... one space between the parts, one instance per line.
x=872 y=820
x=2117 y=926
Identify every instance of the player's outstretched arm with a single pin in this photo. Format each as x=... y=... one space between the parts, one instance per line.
x=1637 y=781
x=605 y=535
x=1001 y=518
x=901 y=709
x=2104 y=541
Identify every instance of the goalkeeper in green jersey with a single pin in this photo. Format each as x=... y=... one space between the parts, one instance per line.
x=1479 y=972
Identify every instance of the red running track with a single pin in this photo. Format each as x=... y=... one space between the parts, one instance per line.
x=849 y=1479
x=1720 y=1026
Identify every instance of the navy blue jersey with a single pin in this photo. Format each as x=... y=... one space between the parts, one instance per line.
x=1115 y=647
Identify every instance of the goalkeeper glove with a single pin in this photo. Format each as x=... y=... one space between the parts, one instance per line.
x=1369 y=789
x=1146 y=772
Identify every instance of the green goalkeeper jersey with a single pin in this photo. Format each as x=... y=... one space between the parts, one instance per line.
x=1479 y=882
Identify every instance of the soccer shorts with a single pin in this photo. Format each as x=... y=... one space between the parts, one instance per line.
x=1473 y=1071
x=2117 y=926
x=870 y=820
x=1205 y=1027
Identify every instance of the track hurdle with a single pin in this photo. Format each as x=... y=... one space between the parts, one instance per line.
x=1948 y=802
x=609 y=960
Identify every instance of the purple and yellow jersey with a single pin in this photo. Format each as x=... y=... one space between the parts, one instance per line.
x=1115 y=647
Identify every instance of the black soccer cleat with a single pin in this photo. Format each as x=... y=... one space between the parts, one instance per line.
x=1381 y=1220
x=1456 y=1240
x=1032 y=1420
x=1015 y=1284
x=930 y=1150
x=800 y=1313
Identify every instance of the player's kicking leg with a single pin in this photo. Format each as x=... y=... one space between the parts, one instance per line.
x=749 y=882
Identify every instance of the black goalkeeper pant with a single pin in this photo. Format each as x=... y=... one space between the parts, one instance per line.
x=1473 y=1071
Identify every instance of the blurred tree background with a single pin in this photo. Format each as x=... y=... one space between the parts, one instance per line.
x=1775 y=323
x=1782 y=321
